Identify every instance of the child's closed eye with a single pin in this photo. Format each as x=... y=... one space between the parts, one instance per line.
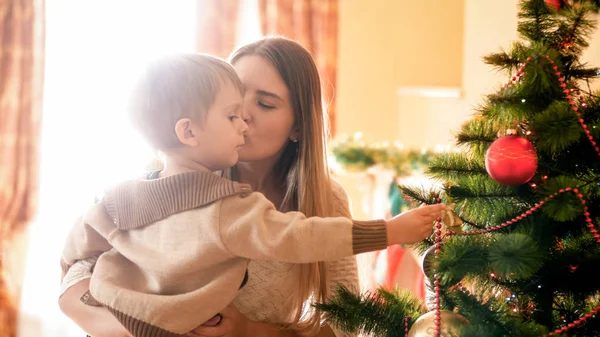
x=233 y=117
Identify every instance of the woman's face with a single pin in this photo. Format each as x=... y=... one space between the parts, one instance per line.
x=266 y=109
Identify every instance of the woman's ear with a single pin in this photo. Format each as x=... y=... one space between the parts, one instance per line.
x=185 y=131
x=295 y=135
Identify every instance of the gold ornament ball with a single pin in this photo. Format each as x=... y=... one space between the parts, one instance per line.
x=451 y=323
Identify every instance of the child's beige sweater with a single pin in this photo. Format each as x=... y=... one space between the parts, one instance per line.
x=177 y=248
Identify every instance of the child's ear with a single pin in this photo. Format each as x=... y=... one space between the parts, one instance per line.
x=185 y=131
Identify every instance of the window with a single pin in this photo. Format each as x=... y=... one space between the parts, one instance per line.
x=249 y=25
x=94 y=50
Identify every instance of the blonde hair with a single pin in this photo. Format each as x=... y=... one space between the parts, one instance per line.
x=303 y=165
x=174 y=87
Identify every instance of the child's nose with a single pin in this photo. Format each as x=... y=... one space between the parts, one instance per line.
x=244 y=126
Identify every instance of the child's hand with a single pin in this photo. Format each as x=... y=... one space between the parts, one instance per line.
x=414 y=225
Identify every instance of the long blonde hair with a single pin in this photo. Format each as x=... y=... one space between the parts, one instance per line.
x=302 y=167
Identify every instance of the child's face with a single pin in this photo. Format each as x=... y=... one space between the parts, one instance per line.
x=221 y=134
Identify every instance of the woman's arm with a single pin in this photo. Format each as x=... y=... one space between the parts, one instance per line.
x=96 y=321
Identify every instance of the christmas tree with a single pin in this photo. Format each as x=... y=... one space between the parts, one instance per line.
x=518 y=253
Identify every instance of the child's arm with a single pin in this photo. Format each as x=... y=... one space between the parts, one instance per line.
x=251 y=227
x=85 y=240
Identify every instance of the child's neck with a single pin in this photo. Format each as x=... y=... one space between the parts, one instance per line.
x=177 y=164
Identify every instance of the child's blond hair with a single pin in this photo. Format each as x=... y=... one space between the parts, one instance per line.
x=174 y=87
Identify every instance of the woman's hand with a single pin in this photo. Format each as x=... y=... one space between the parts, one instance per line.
x=235 y=324
x=232 y=324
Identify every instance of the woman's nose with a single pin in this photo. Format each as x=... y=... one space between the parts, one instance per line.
x=244 y=127
x=246 y=114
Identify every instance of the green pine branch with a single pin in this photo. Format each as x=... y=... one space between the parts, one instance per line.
x=536 y=20
x=575 y=29
x=483 y=201
x=381 y=313
x=510 y=255
x=515 y=255
x=571 y=268
x=539 y=84
x=508 y=60
x=461 y=255
x=565 y=206
x=416 y=196
x=509 y=106
x=491 y=317
x=582 y=73
x=591 y=111
x=453 y=166
x=555 y=129
x=478 y=134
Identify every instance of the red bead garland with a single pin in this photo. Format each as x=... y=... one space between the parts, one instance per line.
x=438 y=245
x=575 y=323
x=406 y=319
x=536 y=207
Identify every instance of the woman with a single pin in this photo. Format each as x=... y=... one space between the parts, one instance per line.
x=285 y=159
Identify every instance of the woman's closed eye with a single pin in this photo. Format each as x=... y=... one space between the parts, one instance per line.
x=264 y=105
x=233 y=117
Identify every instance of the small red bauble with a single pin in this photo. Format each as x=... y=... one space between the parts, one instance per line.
x=511 y=160
x=554 y=4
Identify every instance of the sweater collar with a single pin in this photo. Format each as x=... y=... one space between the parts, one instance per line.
x=136 y=203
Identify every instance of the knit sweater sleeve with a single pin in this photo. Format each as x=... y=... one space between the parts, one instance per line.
x=342 y=272
x=251 y=227
x=84 y=240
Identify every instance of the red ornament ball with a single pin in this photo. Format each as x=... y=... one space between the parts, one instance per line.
x=554 y=4
x=511 y=160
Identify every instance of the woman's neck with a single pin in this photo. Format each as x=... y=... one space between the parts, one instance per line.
x=260 y=175
x=262 y=178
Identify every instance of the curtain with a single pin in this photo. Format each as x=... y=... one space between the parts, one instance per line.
x=21 y=79
x=217 y=26
x=314 y=24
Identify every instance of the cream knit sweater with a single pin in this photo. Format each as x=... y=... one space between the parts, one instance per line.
x=271 y=284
